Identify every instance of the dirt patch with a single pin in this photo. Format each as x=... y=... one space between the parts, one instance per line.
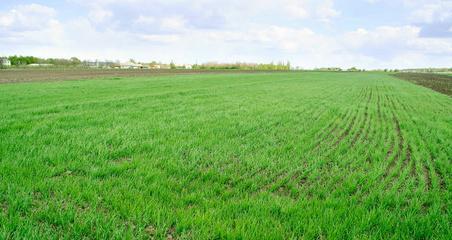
x=33 y=75
x=171 y=233
x=438 y=82
x=4 y=208
x=150 y=231
x=442 y=183
x=393 y=161
x=428 y=180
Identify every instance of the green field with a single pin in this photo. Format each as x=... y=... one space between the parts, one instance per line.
x=212 y=156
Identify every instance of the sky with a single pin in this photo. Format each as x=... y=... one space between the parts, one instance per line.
x=309 y=33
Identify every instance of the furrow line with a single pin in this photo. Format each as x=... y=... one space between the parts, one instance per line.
x=423 y=169
x=330 y=150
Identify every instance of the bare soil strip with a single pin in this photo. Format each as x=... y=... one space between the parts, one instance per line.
x=428 y=180
x=438 y=82
x=59 y=74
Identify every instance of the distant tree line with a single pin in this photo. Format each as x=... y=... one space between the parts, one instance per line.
x=243 y=66
x=26 y=60
x=337 y=69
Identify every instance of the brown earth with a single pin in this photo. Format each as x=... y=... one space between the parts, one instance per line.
x=33 y=75
x=438 y=82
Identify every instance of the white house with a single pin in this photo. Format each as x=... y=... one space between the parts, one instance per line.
x=154 y=66
x=5 y=62
x=131 y=65
x=40 y=65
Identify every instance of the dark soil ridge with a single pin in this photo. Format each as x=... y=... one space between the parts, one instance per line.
x=44 y=75
x=438 y=82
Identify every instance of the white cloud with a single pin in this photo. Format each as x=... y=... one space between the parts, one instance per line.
x=401 y=47
x=297 y=8
x=380 y=36
x=322 y=10
x=27 y=17
x=168 y=38
x=31 y=24
x=432 y=12
x=99 y=15
x=173 y=23
x=201 y=13
x=326 y=11
x=145 y=20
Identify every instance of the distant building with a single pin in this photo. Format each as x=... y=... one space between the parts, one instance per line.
x=131 y=65
x=116 y=65
x=5 y=62
x=99 y=64
x=329 y=69
x=164 y=66
x=154 y=66
x=40 y=65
